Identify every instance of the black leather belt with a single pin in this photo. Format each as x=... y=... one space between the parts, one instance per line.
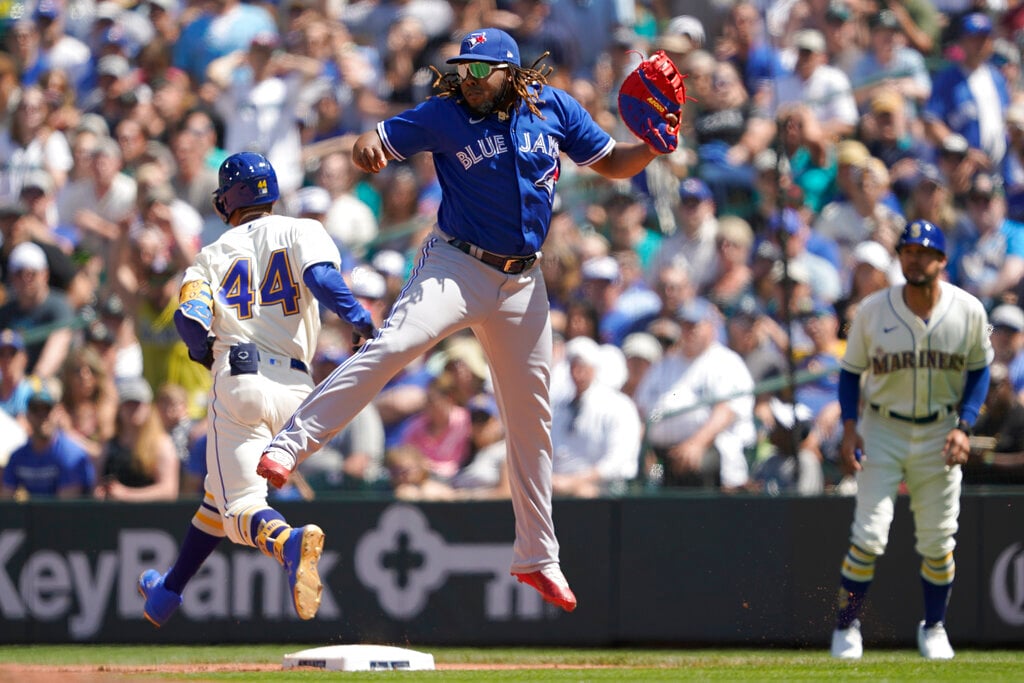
x=923 y=420
x=509 y=266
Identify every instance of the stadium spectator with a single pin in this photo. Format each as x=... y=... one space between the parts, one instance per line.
x=59 y=92
x=729 y=130
x=871 y=271
x=49 y=464
x=792 y=467
x=89 y=401
x=193 y=181
x=734 y=242
x=970 y=97
x=484 y=476
x=641 y=350
x=595 y=430
x=700 y=391
x=743 y=43
x=1007 y=337
x=411 y=475
x=931 y=200
x=15 y=387
x=1001 y=461
x=219 y=29
x=139 y=464
x=31 y=144
x=171 y=403
x=258 y=100
x=441 y=432
x=617 y=307
x=888 y=136
x=824 y=89
x=989 y=254
x=34 y=306
x=890 y=66
x=852 y=220
x=625 y=227
x=808 y=153
x=350 y=220
x=692 y=245
x=99 y=204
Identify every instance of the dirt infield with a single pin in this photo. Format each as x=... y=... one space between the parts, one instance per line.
x=91 y=673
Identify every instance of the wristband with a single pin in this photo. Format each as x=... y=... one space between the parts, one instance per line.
x=965 y=428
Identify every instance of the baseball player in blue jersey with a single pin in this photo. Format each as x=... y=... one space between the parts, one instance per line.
x=496 y=132
x=912 y=381
x=248 y=310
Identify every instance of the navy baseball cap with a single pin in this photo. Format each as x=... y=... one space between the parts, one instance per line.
x=488 y=45
x=694 y=188
x=975 y=24
x=47 y=9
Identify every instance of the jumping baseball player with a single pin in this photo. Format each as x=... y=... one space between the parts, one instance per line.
x=912 y=381
x=248 y=311
x=496 y=132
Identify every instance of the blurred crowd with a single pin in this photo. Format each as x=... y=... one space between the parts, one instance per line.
x=699 y=309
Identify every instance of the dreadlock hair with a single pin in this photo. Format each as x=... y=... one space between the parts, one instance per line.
x=526 y=85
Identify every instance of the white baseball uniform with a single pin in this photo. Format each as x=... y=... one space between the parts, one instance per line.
x=912 y=381
x=255 y=271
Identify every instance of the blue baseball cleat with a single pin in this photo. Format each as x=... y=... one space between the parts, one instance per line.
x=161 y=603
x=302 y=552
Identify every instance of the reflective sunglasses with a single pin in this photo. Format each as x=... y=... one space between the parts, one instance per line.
x=477 y=69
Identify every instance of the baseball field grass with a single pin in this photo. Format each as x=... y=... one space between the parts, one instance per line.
x=89 y=663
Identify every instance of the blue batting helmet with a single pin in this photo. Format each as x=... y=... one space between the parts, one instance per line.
x=925 y=233
x=246 y=179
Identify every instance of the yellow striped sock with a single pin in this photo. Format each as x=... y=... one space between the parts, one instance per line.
x=207 y=518
x=938 y=570
x=858 y=565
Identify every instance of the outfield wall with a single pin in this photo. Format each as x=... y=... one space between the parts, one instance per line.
x=662 y=570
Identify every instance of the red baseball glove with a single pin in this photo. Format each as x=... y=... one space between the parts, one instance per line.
x=649 y=94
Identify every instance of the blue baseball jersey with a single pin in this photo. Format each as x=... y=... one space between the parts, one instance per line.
x=477 y=157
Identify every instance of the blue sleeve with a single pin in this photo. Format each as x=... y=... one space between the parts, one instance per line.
x=192 y=333
x=329 y=288
x=975 y=391
x=849 y=394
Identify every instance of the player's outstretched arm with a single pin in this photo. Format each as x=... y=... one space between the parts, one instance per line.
x=368 y=153
x=625 y=161
x=329 y=288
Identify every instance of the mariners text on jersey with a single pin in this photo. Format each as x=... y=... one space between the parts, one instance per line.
x=883 y=362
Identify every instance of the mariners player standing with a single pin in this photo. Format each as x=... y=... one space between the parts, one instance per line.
x=257 y=333
x=496 y=142
x=924 y=351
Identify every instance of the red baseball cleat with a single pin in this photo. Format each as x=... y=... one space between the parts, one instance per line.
x=551 y=584
x=274 y=468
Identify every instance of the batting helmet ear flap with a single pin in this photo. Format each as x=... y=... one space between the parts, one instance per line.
x=218 y=206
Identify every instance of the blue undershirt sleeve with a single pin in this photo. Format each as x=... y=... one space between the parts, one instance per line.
x=849 y=395
x=329 y=288
x=975 y=391
x=192 y=333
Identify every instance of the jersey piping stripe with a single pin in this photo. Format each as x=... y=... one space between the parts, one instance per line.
x=605 y=151
x=384 y=139
x=216 y=441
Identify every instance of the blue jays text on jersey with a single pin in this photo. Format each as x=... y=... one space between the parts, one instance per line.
x=497 y=177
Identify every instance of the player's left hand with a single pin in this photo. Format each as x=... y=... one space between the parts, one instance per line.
x=650 y=100
x=957 y=448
